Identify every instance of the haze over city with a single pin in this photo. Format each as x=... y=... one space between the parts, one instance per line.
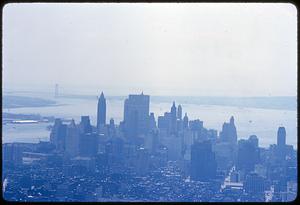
x=159 y=102
x=161 y=49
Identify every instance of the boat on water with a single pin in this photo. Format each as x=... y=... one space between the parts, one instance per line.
x=24 y=121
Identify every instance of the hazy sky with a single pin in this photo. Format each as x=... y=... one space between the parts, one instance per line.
x=162 y=49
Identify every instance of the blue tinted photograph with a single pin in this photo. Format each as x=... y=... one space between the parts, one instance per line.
x=149 y=102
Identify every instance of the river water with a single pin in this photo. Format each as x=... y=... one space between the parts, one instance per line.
x=261 y=122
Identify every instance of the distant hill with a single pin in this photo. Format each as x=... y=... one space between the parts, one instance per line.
x=11 y=101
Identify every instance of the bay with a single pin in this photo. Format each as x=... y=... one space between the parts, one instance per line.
x=261 y=122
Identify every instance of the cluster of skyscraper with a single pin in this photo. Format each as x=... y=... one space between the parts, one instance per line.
x=201 y=151
x=142 y=145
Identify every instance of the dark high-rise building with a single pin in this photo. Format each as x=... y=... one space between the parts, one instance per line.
x=254 y=140
x=212 y=134
x=101 y=111
x=228 y=133
x=173 y=118
x=88 y=146
x=173 y=109
x=142 y=161
x=12 y=153
x=196 y=126
x=165 y=122
x=179 y=125
x=72 y=140
x=85 y=124
x=179 y=112
x=152 y=122
x=136 y=115
x=254 y=184
x=203 y=162
x=185 y=121
x=247 y=156
x=281 y=137
x=111 y=128
x=155 y=141
x=281 y=144
x=114 y=150
x=58 y=135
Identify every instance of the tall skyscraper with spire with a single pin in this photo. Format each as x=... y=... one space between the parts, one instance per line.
x=101 y=113
x=185 y=121
x=173 y=118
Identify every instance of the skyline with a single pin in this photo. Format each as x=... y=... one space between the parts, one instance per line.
x=187 y=50
x=149 y=102
x=143 y=158
x=203 y=108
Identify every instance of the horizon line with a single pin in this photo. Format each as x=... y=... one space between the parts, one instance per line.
x=153 y=95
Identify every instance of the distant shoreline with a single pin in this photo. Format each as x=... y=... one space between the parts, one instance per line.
x=25 y=106
x=12 y=101
x=278 y=103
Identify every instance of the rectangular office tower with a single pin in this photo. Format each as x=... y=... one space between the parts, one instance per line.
x=203 y=161
x=136 y=115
